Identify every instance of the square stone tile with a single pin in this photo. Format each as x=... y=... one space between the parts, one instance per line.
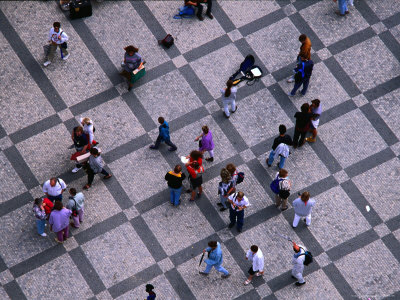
x=131 y=212
x=70 y=244
x=163 y=289
x=65 y=114
x=36 y=192
x=118 y=254
x=362 y=66
x=339 y=136
x=6 y=277
x=179 y=61
x=318 y=278
x=378 y=273
x=331 y=224
x=396 y=148
x=289 y=9
x=383 y=10
x=61 y=267
x=324 y=53
x=397 y=234
x=144 y=161
x=177 y=229
x=264 y=290
x=5 y=143
x=341 y=176
x=222 y=289
x=259 y=127
x=247 y=155
x=360 y=100
x=188 y=33
x=115 y=124
x=244 y=12
x=179 y=100
x=225 y=234
x=235 y=35
x=380 y=187
x=214 y=79
x=11 y=184
x=165 y=265
x=47 y=153
x=379 y=27
x=396 y=32
x=114 y=35
x=283 y=44
x=382 y=230
x=329 y=27
x=184 y=140
x=212 y=107
x=104 y=295
x=323 y=260
x=268 y=80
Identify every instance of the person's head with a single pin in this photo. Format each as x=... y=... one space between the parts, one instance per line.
x=58 y=205
x=195 y=165
x=38 y=201
x=205 y=129
x=212 y=244
x=229 y=85
x=315 y=102
x=302 y=38
x=177 y=169
x=79 y=130
x=283 y=173
x=196 y=154
x=56 y=26
x=231 y=168
x=225 y=175
x=149 y=288
x=72 y=191
x=296 y=248
x=239 y=196
x=305 y=196
x=86 y=121
x=254 y=248
x=305 y=107
x=94 y=151
x=53 y=181
x=161 y=120
x=131 y=50
x=282 y=129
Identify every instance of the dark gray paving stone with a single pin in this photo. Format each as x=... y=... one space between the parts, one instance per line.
x=394 y=223
x=222 y=17
x=262 y=22
x=15 y=203
x=392 y=21
x=340 y=282
x=209 y=47
x=391 y=43
x=210 y=213
x=94 y=101
x=303 y=26
x=393 y=245
x=179 y=285
x=367 y=13
x=14 y=291
x=251 y=295
x=351 y=41
x=382 y=89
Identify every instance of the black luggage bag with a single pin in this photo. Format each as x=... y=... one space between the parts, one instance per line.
x=80 y=9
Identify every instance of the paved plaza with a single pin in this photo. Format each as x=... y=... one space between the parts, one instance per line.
x=131 y=234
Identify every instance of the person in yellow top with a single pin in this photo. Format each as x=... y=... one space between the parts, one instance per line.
x=175 y=179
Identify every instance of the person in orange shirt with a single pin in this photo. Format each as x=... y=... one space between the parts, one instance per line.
x=305 y=51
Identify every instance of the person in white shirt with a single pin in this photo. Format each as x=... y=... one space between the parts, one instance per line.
x=236 y=210
x=257 y=258
x=229 y=98
x=88 y=129
x=57 y=38
x=298 y=264
x=303 y=208
x=54 y=188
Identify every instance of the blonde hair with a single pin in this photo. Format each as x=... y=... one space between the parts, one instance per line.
x=87 y=121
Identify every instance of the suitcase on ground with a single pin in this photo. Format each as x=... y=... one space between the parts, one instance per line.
x=80 y=9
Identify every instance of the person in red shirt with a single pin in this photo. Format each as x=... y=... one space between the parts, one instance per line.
x=48 y=207
x=196 y=178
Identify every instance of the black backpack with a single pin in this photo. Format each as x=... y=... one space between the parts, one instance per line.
x=308 y=257
x=240 y=178
x=167 y=42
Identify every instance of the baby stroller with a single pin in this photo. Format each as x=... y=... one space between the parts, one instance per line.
x=249 y=71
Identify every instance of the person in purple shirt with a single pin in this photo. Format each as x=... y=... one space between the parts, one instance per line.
x=59 y=221
x=206 y=143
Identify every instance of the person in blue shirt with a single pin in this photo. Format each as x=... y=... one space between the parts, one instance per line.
x=302 y=77
x=163 y=135
x=214 y=259
x=149 y=289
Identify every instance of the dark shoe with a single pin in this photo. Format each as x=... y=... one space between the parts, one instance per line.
x=210 y=15
x=210 y=159
x=225 y=276
x=153 y=147
x=222 y=209
x=107 y=177
x=86 y=187
x=294 y=277
x=235 y=109
x=226 y=116
x=203 y=273
x=302 y=143
x=231 y=225
x=172 y=149
x=129 y=88
x=346 y=12
x=239 y=229
x=191 y=199
x=283 y=209
x=339 y=14
x=201 y=18
x=188 y=191
x=219 y=204
x=300 y=284
x=198 y=195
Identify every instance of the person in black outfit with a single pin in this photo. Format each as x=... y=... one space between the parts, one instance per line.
x=197 y=3
x=302 y=77
x=149 y=289
x=282 y=138
x=303 y=119
x=81 y=145
x=175 y=179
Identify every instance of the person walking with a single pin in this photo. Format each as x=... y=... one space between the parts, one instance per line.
x=132 y=61
x=206 y=143
x=302 y=76
x=88 y=130
x=298 y=264
x=76 y=203
x=175 y=179
x=95 y=165
x=40 y=215
x=81 y=145
x=303 y=119
x=59 y=222
x=281 y=187
x=316 y=111
x=285 y=139
x=343 y=10
x=256 y=256
x=229 y=98
x=238 y=203
x=54 y=188
x=196 y=179
x=214 y=259
x=305 y=51
x=57 y=38
x=163 y=135
x=149 y=289
x=225 y=188
x=303 y=208
x=197 y=3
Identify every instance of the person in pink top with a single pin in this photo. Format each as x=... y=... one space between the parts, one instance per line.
x=59 y=221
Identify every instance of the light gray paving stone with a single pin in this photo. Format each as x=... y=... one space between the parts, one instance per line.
x=104 y=295
x=65 y=114
x=165 y=265
x=36 y=192
x=382 y=10
x=225 y=234
x=289 y=9
x=379 y=27
x=341 y=176
x=5 y=143
x=3 y=294
x=264 y=290
x=323 y=260
x=371 y=270
x=397 y=234
x=212 y=106
x=131 y=212
x=11 y=184
x=177 y=228
x=118 y=254
x=179 y=61
x=6 y=277
x=70 y=244
x=396 y=148
x=247 y=155
x=268 y=80
x=360 y=100
x=318 y=287
x=235 y=35
x=339 y=136
x=335 y=219
x=396 y=32
x=380 y=187
x=324 y=53
x=382 y=230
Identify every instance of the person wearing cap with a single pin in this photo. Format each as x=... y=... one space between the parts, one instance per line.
x=298 y=264
x=214 y=259
x=149 y=289
x=302 y=209
x=257 y=258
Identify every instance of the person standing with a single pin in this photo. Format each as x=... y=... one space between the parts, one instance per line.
x=76 y=203
x=40 y=215
x=196 y=178
x=285 y=139
x=149 y=289
x=302 y=76
x=197 y=3
x=343 y=10
x=57 y=38
x=175 y=179
x=238 y=203
x=234 y=176
x=81 y=145
x=282 y=191
x=163 y=136
x=225 y=188
x=305 y=50
x=94 y=166
x=88 y=130
x=298 y=264
x=316 y=110
x=54 y=188
x=206 y=143
x=214 y=259
x=59 y=222
x=229 y=98
x=303 y=119
x=303 y=208
x=132 y=61
x=256 y=256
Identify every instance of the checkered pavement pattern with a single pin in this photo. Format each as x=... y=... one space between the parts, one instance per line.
x=131 y=235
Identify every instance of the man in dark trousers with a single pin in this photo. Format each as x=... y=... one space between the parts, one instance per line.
x=302 y=75
x=163 y=135
x=303 y=121
x=282 y=138
x=197 y=3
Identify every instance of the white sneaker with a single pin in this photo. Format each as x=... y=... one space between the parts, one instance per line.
x=74 y=170
x=291 y=79
x=46 y=63
x=66 y=57
x=43 y=234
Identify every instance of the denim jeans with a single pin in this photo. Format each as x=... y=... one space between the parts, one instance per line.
x=230 y=102
x=53 y=198
x=219 y=268
x=271 y=159
x=223 y=200
x=236 y=216
x=40 y=224
x=168 y=142
x=304 y=82
x=175 y=194
x=90 y=174
x=342 y=6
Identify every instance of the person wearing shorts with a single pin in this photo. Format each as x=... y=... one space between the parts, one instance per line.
x=257 y=258
x=316 y=110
